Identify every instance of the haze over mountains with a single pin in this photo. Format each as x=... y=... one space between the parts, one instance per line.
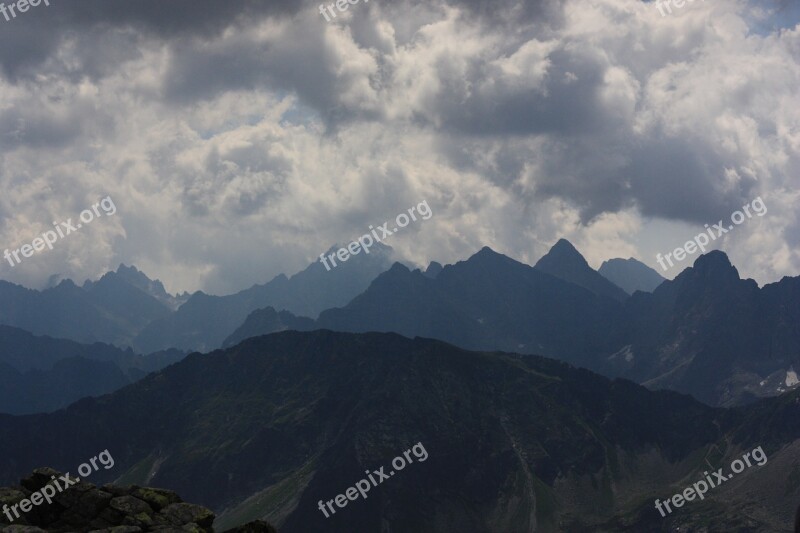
x=111 y=310
x=205 y=321
x=707 y=332
x=40 y=374
x=630 y=275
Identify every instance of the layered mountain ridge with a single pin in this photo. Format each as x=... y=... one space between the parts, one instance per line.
x=707 y=332
x=39 y=373
x=204 y=321
x=271 y=426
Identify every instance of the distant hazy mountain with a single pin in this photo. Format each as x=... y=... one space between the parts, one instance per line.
x=565 y=262
x=265 y=321
x=716 y=336
x=204 y=322
x=487 y=302
x=631 y=275
x=513 y=443
x=114 y=309
x=40 y=374
x=137 y=279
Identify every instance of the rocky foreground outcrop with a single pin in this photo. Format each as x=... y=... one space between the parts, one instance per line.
x=85 y=507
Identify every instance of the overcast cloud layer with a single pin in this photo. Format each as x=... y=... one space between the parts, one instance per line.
x=241 y=139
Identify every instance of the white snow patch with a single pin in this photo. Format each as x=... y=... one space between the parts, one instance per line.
x=791 y=378
x=625 y=351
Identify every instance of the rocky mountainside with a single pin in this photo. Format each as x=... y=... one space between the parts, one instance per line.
x=268 y=428
x=713 y=335
x=106 y=509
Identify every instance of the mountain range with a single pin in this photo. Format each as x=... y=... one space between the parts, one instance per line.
x=111 y=310
x=707 y=332
x=204 y=321
x=326 y=376
x=270 y=427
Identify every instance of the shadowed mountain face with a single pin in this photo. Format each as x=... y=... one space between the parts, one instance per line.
x=487 y=302
x=514 y=443
x=204 y=322
x=565 y=262
x=39 y=374
x=630 y=275
x=716 y=336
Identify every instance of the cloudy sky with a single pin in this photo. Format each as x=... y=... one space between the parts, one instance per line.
x=240 y=139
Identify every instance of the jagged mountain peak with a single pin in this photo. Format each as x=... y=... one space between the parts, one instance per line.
x=563 y=257
x=712 y=269
x=565 y=262
x=563 y=246
x=433 y=269
x=123 y=268
x=488 y=256
x=714 y=262
x=486 y=252
x=398 y=267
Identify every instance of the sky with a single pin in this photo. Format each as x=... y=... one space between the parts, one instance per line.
x=240 y=139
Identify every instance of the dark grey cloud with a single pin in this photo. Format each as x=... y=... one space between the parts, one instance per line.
x=560 y=106
x=511 y=12
x=28 y=40
x=241 y=138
